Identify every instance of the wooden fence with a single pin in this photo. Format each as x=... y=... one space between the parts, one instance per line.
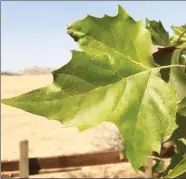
x=26 y=166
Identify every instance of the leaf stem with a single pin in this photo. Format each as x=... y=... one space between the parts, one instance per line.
x=170 y=66
x=157 y=158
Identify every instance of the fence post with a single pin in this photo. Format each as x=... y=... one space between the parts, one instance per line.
x=148 y=170
x=24 y=160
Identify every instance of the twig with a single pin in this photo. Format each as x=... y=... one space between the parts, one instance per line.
x=170 y=66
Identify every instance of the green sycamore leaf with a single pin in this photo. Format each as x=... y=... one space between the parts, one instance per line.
x=177 y=166
x=119 y=40
x=180 y=133
x=182 y=107
x=112 y=80
x=179 y=38
x=137 y=105
x=158 y=34
x=178 y=74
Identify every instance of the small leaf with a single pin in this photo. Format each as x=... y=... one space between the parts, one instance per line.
x=182 y=107
x=180 y=132
x=177 y=166
x=178 y=74
x=158 y=34
x=179 y=38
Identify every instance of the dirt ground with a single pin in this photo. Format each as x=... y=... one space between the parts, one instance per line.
x=50 y=138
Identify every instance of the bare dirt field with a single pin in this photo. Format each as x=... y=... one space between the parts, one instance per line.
x=50 y=138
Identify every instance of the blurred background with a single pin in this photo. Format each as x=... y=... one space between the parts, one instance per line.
x=34 y=33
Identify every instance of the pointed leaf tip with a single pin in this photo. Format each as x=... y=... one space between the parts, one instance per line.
x=158 y=33
x=120 y=7
x=121 y=11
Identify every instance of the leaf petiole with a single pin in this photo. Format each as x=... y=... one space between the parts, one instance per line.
x=170 y=66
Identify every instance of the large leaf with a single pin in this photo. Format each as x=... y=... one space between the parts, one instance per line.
x=179 y=38
x=113 y=81
x=158 y=34
x=138 y=106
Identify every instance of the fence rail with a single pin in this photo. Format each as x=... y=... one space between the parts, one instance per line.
x=26 y=166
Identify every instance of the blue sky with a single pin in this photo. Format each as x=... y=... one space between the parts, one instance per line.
x=34 y=33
